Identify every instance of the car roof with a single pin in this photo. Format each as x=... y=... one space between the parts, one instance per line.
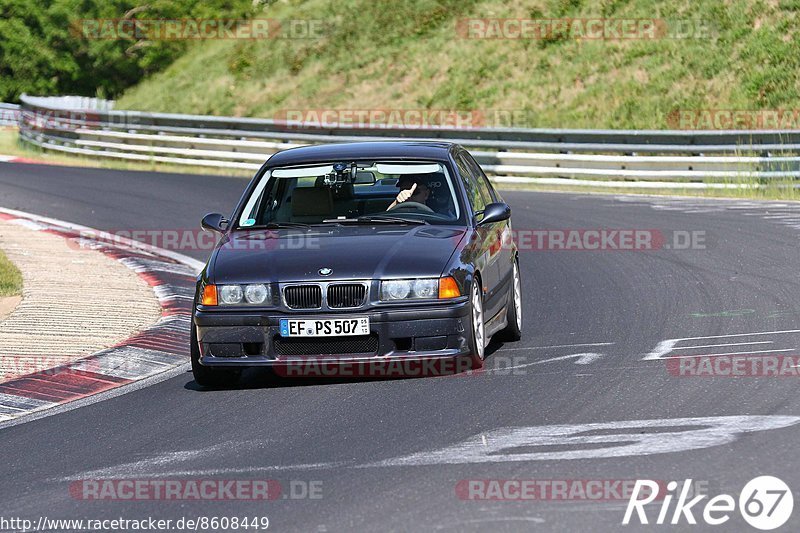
x=432 y=150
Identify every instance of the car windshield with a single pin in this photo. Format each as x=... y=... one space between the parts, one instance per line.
x=352 y=193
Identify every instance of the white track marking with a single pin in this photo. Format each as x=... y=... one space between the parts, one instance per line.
x=666 y=346
x=504 y=519
x=729 y=353
x=10 y=403
x=580 y=359
x=741 y=335
x=661 y=349
x=168 y=293
x=623 y=439
x=30 y=224
x=130 y=363
x=557 y=346
x=777 y=213
x=723 y=345
x=149 y=265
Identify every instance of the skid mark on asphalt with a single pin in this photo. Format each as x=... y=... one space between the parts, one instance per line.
x=161 y=460
x=113 y=472
x=780 y=213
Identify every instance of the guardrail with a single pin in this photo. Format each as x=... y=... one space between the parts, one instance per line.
x=9 y=114
x=91 y=127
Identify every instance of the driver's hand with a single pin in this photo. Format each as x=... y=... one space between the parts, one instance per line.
x=404 y=195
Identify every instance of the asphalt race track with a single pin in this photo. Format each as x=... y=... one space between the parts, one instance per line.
x=397 y=454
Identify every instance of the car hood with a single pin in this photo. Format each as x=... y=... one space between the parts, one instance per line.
x=351 y=252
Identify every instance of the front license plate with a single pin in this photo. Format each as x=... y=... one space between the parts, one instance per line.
x=324 y=327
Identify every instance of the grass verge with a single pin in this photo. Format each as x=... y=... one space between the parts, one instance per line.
x=10 y=278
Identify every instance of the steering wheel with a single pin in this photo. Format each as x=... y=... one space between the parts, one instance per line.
x=407 y=206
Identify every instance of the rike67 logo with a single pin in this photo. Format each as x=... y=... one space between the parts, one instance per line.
x=765 y=503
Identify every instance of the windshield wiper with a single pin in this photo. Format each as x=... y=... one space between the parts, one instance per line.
x=280 y=225
x=382 y=219
x=393 y=219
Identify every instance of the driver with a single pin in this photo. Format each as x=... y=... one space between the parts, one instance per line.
x=412 y=189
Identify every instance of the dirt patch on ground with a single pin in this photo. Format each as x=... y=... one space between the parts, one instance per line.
x=8 y=304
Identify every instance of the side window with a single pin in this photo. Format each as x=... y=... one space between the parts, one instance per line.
x=476 y=199
x=483 y=182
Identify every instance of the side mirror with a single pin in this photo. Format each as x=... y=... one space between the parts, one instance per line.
x=214 y=222
x=496 y=212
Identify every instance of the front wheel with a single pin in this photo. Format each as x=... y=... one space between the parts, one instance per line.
x=513 y=331
x=478 y=333
x=207 y=376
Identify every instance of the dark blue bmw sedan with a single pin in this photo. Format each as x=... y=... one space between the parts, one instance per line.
x=358 y=253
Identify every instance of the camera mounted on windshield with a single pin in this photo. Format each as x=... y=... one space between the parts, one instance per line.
x=341 y=174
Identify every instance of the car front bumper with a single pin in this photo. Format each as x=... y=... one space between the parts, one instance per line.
x=405 y=334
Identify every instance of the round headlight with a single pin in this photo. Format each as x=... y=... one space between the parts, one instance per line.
x=395 y=290
x=426 y=288
x=256 y=294
x=230 y=294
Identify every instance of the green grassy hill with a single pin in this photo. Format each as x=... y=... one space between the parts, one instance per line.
x=408 y=54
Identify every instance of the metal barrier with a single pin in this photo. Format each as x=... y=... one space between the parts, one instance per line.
x=9 y=114
x=93 y=128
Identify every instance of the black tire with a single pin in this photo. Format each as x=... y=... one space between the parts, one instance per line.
x=477 y=334
x=513 y=331
x=207 y=376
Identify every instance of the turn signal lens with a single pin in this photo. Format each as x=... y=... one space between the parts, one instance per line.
x=209 y=295
x=448 y=288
